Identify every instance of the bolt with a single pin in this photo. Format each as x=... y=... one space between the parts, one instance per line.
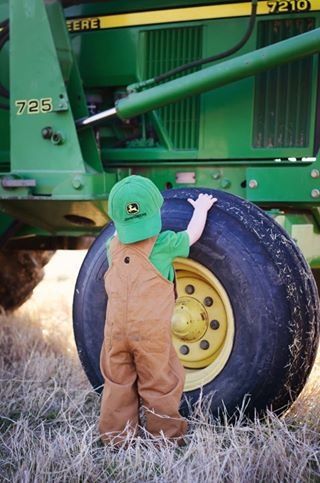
x=225 y=183
x=204 y=344
x=253 y=183
x=208 y=301
x=77 y=183
x=216 y=175
x=46 y=132
x=214 y=324
x=184 y=349
x=315 y=173
x=57 y=138
x=315 y=193
x=189 y=289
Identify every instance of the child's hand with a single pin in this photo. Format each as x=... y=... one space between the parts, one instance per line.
x=198 y=220
x=203 y=202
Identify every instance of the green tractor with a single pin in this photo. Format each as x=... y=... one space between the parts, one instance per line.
x=219 y=97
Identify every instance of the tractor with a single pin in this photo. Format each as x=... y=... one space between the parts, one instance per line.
x=214 y=96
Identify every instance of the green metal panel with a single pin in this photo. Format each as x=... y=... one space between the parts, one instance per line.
x=4 y=114
x=90 y=8
x=210 y=137
x=302 y=227
x=281 y=184
x=102 y=66
x=60 y=38
x=5 y=222
x=232 y=179
x=283 y=107
x=35 y=75
x=219 y=75
x=4 y=141
x=60 y=186
x=226 y=114
x=166 y=49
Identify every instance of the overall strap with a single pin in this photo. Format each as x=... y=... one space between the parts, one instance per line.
x=114 y=246
x=145 y=246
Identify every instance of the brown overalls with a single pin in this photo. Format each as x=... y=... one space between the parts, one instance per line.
x=137 y=356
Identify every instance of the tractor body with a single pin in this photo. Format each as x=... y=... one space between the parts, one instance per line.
x=254 y=132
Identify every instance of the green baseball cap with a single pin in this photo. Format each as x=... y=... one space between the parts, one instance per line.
x=134 y=206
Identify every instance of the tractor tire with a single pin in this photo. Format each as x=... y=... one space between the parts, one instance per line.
x=255 y=293
x=21 y=271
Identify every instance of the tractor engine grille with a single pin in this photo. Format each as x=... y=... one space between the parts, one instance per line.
x=165 y=50
x=282 y=106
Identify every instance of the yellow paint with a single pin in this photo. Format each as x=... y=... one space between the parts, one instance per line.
x=187 y=14
x=190 y=319
x=202 y=365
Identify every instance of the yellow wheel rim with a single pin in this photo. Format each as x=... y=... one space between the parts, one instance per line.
x=202 y=323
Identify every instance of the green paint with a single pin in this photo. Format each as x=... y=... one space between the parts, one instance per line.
x=35 y=73
x=236 y=131
x=302 y=228
x=220 y=74
x=5 y=222
x=281 y=184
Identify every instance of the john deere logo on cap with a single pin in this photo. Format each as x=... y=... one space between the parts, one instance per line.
x=133 y=208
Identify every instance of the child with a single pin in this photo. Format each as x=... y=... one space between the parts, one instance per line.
x=137 y=358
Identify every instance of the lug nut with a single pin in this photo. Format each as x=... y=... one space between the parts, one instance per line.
x=189 y=289
x=315 y=173
x=208 y=301
x=204 y=344
x=315 y=193
x=214 y=324
x=184 y=349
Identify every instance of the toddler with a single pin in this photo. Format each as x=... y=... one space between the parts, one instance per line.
x=137 y=358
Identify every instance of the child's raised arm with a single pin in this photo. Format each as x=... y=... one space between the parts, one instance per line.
x=198 y=220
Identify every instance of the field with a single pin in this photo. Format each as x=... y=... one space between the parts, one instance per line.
x=48 y=414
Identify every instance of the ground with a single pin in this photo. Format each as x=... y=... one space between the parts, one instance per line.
x=49 y=413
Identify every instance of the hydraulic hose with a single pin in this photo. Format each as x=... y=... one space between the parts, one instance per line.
x=213 y=58
x=196 y=63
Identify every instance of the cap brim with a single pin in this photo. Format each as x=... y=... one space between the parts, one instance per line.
x=139 y=229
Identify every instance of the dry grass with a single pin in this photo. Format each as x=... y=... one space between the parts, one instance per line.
x=49 y=415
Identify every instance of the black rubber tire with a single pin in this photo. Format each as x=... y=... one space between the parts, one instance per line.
x=272 y=292
x=21 y=271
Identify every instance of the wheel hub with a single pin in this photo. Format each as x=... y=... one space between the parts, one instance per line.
x=190 y=320
x=202 y=322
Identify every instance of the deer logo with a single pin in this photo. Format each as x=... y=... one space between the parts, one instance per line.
x=132 y=208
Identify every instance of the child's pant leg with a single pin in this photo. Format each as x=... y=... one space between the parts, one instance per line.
x=119 y=402
x=160 y=385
